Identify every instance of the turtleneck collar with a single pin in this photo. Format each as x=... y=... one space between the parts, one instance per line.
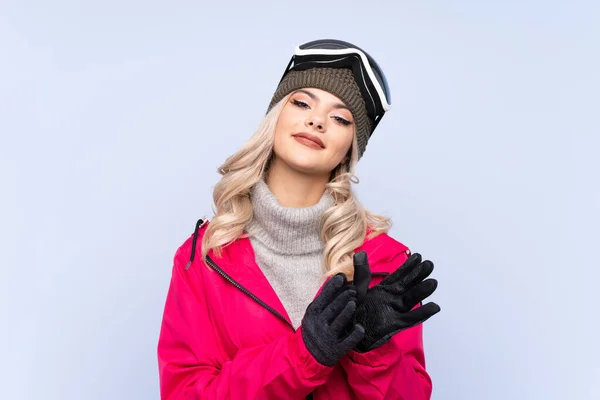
x=286 y=230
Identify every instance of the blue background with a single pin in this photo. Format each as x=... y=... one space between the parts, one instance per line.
x=114 y=116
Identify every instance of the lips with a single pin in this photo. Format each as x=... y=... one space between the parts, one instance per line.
x=309 y=140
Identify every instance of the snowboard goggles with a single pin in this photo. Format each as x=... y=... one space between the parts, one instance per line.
x=331 y=53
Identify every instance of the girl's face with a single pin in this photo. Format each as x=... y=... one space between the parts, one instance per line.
x=314 y=132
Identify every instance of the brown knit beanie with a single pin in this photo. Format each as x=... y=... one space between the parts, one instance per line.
x=339 y=82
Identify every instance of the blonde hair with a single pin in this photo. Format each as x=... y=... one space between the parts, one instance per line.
x=343 y=226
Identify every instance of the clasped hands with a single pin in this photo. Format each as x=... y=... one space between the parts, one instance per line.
x=351 y=316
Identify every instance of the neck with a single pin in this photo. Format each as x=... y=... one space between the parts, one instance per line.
x=294 y=188
x=285 y=230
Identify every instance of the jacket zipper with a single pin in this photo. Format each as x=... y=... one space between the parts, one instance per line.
x=229 y=279
x=247 y=292
x=253 y=297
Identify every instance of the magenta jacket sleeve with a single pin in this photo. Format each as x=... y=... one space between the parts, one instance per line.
x=395 y=370
x=193 y=363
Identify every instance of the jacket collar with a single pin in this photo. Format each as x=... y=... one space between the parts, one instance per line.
x=238 y=262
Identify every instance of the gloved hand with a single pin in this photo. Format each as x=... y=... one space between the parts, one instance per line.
x=385 y=309
x=328 y=329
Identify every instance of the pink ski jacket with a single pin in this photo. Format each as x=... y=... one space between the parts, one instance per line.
x=226 y=335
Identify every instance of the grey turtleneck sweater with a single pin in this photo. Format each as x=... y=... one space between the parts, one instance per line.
x=288 y=248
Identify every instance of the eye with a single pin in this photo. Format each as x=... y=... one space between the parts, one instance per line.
x=342 y=121
x=300 y=104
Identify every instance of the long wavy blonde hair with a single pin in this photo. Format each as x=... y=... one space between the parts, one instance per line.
x=343 y=226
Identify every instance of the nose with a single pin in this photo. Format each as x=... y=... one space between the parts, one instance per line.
x=316 y=121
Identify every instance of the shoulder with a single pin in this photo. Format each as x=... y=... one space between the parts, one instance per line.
x=190 y=249
x=384 y=250
x=229 y=255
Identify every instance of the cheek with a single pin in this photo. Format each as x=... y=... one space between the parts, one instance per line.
x=343 y=143
x=282 y=131
x=285 y=123
x=279 y=132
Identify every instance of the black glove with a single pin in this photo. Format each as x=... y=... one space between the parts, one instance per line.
x=328 y=329
x=385 y=309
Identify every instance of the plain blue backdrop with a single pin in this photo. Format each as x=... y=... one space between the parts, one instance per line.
x=114 y=116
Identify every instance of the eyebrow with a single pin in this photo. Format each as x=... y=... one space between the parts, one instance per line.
x=315 y=98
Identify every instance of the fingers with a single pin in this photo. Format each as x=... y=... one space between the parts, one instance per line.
x=410 y=264
x=356 y=335
x=416 y=316
x=362 y=275
x=422 y=271
x=328 y=293
x=337 y=306
x=340 y=321
x=429 y=310
x=400 y=322
x=415 y=295
x=410 y=277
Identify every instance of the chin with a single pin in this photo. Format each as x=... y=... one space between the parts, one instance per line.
x=305 y=165
x=304 y=162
